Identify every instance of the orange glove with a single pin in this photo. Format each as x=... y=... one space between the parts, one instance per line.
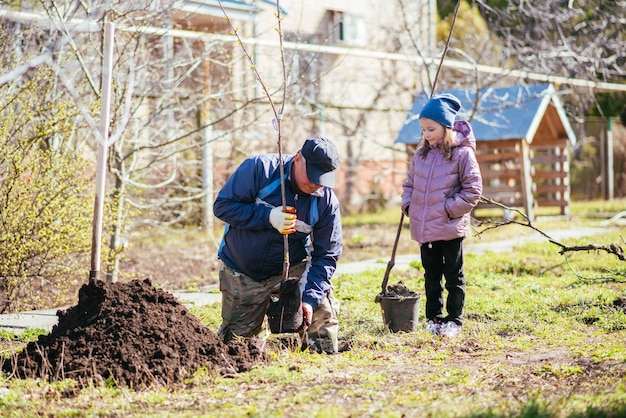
x=284 y=222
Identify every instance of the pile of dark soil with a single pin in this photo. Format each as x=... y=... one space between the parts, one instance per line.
x=131 y=334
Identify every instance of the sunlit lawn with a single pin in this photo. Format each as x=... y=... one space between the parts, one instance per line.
x=544 y=337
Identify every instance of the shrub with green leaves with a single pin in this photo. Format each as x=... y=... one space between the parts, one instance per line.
x=45 y=202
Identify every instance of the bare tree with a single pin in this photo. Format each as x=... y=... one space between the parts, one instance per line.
x=578 y=39
x=158 y=96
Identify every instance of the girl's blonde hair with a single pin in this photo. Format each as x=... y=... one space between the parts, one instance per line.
x=448 y=139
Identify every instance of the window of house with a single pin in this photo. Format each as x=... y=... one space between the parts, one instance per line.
x=345 y=29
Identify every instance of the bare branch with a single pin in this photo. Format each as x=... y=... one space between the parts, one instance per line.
x=612 y=249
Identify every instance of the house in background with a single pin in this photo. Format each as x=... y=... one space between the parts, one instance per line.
x=347 y=78
x=523 y=141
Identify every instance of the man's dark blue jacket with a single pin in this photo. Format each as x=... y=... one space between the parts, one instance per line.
x=253 y=247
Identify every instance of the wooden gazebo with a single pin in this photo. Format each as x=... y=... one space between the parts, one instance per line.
x=523 y=140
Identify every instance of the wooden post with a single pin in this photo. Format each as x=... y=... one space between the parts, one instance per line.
x=610 y=172
x=103 y=139
x=527 y=179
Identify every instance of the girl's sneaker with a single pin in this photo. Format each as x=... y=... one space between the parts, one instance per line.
x=450 y=329
x=433 y=327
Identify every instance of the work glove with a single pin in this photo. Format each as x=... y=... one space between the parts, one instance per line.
x=307 y=314
x=284 y=222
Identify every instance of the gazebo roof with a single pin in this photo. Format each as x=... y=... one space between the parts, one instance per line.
x=502 y=113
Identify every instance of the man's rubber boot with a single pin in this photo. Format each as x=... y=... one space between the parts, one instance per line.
x=326 y=340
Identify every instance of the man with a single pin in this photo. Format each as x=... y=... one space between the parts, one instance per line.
x=252 y=250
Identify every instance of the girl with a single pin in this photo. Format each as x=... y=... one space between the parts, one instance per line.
x=442 y=187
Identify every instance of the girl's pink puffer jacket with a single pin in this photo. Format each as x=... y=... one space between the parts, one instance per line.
x=440 y=193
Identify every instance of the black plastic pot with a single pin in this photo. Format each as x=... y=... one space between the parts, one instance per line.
x=285 y=313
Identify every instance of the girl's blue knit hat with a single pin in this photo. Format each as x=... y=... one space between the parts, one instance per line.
x=441 y=108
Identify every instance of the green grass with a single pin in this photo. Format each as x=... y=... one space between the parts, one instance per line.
x=542 y=338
